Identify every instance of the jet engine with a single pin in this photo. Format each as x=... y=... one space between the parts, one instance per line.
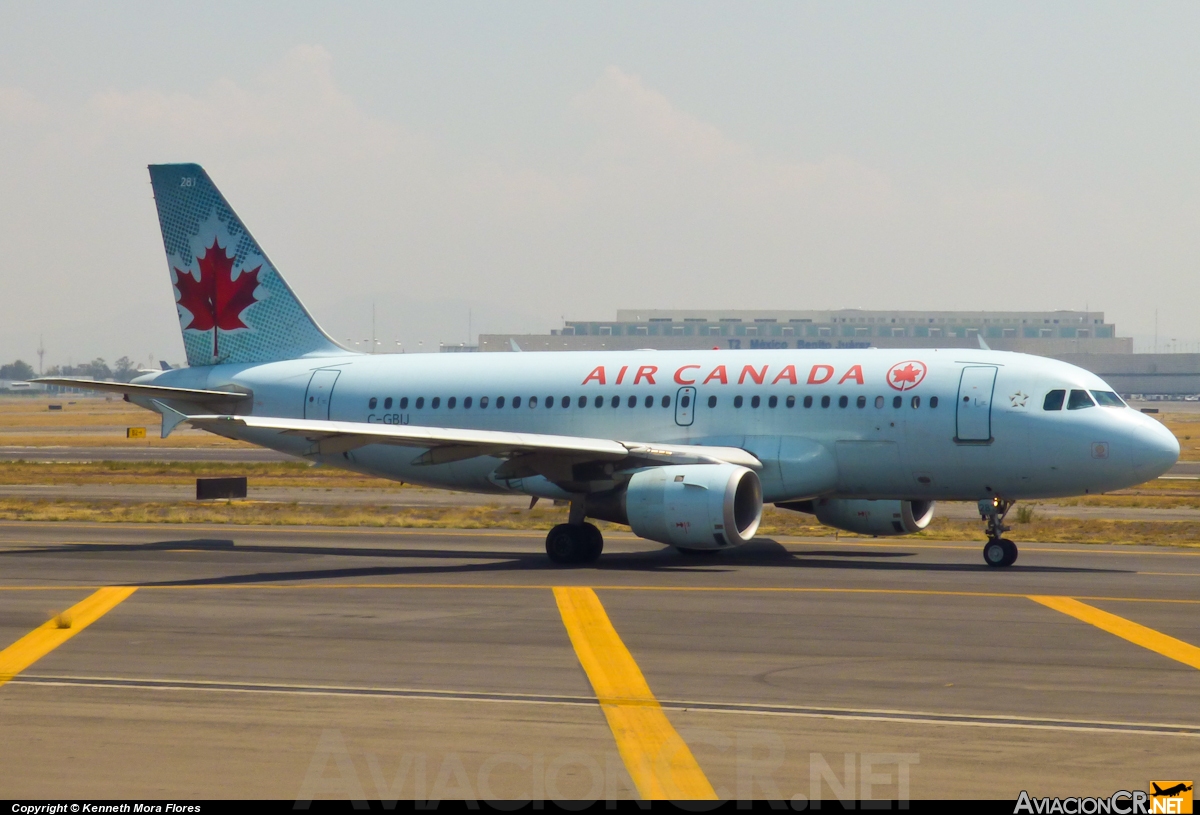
x=694 y=506
x=880 y=518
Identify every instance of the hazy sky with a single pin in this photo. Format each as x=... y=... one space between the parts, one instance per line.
x=527 y=161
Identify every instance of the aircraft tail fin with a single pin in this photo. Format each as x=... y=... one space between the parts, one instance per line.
x=233 y=305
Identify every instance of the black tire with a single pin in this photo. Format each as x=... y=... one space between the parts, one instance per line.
x=1000 y=553
x=565 y=544
x=595 y=543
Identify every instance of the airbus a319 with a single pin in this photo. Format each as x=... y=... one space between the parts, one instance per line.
x=684 y=447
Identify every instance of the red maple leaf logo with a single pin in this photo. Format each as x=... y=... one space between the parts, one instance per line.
x=905 y=375
x=216 y=301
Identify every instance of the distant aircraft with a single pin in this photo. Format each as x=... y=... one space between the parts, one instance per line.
x=683 y=446
x=1169 y=792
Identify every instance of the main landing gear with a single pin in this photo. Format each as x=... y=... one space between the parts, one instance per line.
x=570 y=544
x=998 y=551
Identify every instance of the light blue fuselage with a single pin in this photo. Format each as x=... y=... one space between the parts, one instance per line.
x=989 y=434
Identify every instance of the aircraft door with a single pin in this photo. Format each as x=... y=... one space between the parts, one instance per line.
x=975 y=403
x=319 y=395
x=685 y=406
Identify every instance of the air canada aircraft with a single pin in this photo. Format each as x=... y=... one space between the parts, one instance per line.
x=683 y=446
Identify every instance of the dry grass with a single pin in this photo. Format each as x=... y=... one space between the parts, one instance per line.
x=775 y=522
x=90 y=421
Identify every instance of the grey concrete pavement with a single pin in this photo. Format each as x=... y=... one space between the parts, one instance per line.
x=248 y=651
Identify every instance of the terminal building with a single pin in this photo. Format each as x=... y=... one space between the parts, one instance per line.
x=1083 y=338
x=1048 y=333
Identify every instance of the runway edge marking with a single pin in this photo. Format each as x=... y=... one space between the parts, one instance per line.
x=658 y=760
x=1148 y=638
x=53 y=633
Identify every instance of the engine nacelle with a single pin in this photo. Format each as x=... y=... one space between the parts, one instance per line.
x=882 y=518
x=695 y=506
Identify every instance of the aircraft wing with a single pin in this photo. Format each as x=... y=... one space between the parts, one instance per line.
x=150 y=391
x=446 y=444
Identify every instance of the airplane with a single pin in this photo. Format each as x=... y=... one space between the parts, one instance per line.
x=1170 y=792
x=684 y=447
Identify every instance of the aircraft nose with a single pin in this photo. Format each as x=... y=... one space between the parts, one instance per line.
x=1155 y=450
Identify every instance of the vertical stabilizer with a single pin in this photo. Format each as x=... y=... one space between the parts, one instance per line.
x=233 y=305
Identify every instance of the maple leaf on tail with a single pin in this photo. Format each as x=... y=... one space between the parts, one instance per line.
x=216 y=301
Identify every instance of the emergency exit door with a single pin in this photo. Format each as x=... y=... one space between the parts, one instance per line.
x=975 y=403
x=318 y=397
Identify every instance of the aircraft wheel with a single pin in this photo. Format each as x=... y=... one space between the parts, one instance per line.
x=595 y=543
x=568 y=544
x=1000 y=553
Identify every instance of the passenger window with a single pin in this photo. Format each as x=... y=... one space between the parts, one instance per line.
x=451 y=402
x=772 y=402
x=387 y=403
x=737 y=401
x=404 y=403
x=666 y=401
x=583 y=401
x=549 y=401
x=843 y=401
x=824 y=401
x=633 y=401
x=616 y=401
x=372 y=403
x=1054 y=400
x=1107 y=399
x=483 y=402
x=933 y=401
x=897 y=401
x=685 y=401
x=861 y=402
x=755 y=401
x=467 y=403
x=533 y=401
x=808 y=401
x=599 y=401
x=878 y=401
x=916 y=402
x=499 y=401
x=566 y=401
x=436 y=403
x=791 y=401
x=516 y=401
x=1078 y=400
x=649 y=401
x=712 y=401
x=420 y=402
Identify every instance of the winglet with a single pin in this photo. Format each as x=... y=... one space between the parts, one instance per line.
x=513 y=344
x=983 y=344
x=171 y=418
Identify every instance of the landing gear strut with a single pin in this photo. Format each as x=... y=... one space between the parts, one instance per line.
x=570 y=544
x=998 y=551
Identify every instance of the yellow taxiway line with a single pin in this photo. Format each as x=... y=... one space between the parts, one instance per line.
x=657 y=758
x=53 y=633
x=612 y=587
x=1156 y=641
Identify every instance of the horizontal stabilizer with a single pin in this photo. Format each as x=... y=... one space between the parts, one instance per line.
x=149 y=391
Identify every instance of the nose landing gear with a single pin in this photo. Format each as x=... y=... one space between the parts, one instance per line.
x=998 y=551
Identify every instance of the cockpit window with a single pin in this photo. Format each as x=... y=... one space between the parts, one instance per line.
x=1107 y=399
x=1054 y=400
x=1079 y=400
